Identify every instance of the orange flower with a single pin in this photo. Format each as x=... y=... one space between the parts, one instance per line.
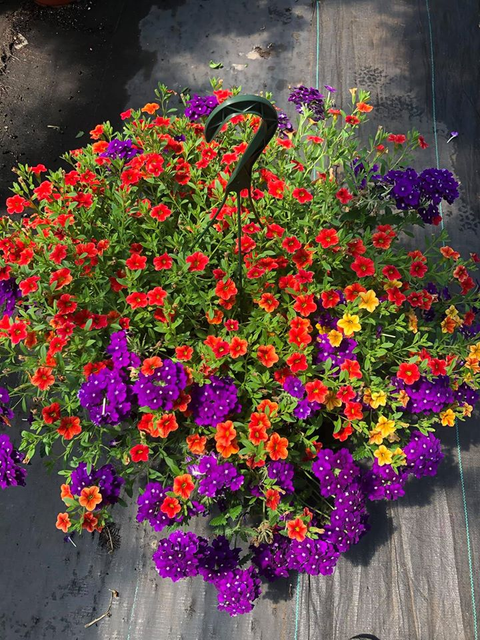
x=65 y=491
x=268 y=407
x=297 y=530
x=150 y=364
x=89 y=522
x=363 y=107
x=170 y=506
x=90 y=498
x=257 y=435
x=164 y=425
x=183 y=486
x=216 y=318
x=268 y=302
x=225 y=433
x=226 y=451
x=277 y=447
x=100 y=146
x=267 y=356
x=69 y=427
x=97 y=132
x=196 y=443
x=273 y=498
x=238 y=347
x=150 y=108
x=43 y=378
x=63 y=522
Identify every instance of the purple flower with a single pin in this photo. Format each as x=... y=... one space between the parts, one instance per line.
x=11 y=474
x=9 y=293
x=284 y=124
x=122 y=149
x=149 y=504
x=294 y=387
x=310 y=98
x=423 y=454
x=200 y=106
x=178 y=556
x=161 y=389
x=238 y=590
x=105 y=478
x=329 y=88
x=218 y=559
x=216 y=477
x=283 y=473
x=213 y=403
x=271 y=560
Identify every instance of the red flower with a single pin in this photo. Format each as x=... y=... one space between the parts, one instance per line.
x=43 y=378
x=139 y=453
x=150 y=364
x=231 y=325
x=316 y=391
x=291 y=244
x=267 y=355
x=51 y=413
x=69 y=427
x=344 y=196
x=137 y=299
x=160 y=212
x=183 y=486
x=353 y=368
x=353 y=410
x=136 y=262
x=381 y=240
x=62 y=277
x=17 y=331
x=126 y=114
x=273 y=498
x=304 y=305
x=352 y=290
x=226 y=290
x=184 y=352
x=346 y=393
x=96 y=133
x=16 y=204
x=63 y=522
x=156 y=296
x=276 y=188
x=408 y=372
x=277 y=447
x=391 y=272
x=170 y=506
x=397 y=139
x=268 y=302
x=363 y=267
x=396 y=296
x=297 y=530
x=353 y=120
x=418 y=269
x=302 y=195
x=327 y=238
x=422 y=143
x=89 y=521
x=438 y=367
x=297 y=362
x=330 y=299
x=343 y=434
x=238 y=347
x=163 y=262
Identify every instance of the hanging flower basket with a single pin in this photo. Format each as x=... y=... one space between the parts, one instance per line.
x=271 y=370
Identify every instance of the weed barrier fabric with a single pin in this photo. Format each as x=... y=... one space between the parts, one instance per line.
x=409 y=577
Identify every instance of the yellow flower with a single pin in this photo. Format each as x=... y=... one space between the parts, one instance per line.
x=375 y=436
x=335 y=338
x=386 y=426
x=349 y=323
x=367 y=396
x=321 y=329
x=473 y=364
x=378 y=398
x=399 y=452
x=369 y=300
x=393 y=283
x=383 y=455
x=448 y=418
x=452 y=312
x=403 y=397
x=475 y=350
x=467 y=409
x=331 y=401
x=354 y=93
x=412 y=321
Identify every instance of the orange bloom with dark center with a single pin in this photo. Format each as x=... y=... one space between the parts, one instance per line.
x=183 y=486
x=363 y=107
x=150 y=364
x=304 y=305
x=257 y=434
x=267 y=355
x=408 y=372
x=353 y=410
x=170 y=506
x=225 y=433
x=89 y=522
x=196 y=443
x=226 y=290
x=165 y=425
x=62 y=277
x=184 y=352
x=316 y=391
x=273 y=498
x=238 y=347
x=297 y=362
x=216 y=318
x=227 y=450
x=277 y=447
x=268 y=407
x=268 y=302
x=353 y=368
x=69 y=427
x=43 y=378
x=90 y=497
x=63 y=522
x=297 y=529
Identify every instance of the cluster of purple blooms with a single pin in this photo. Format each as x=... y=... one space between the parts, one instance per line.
x=214 y=402
x=161 y=389
x=308 y=97
x=9 y=294
x=11 y=473
x=283 y=473
x=215 y=478
x=284 y=124
x=149 y=503
x=200 y=106
x=185 y=555
x=107 y=394
x=423 y=192
x=105 y=478
x=426 y=396
x=294 y=387
x=121 y=149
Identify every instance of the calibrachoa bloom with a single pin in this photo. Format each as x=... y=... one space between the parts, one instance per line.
x=235 y=366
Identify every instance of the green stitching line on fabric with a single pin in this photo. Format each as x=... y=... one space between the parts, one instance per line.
x=457 y=432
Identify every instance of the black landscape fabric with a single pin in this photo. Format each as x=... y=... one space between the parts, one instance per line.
x=65 y=70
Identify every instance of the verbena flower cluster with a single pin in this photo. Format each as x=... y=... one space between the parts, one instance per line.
x=275 y=405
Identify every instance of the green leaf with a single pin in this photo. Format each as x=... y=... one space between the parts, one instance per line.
x=215 y=65
x=235 y=512
x=218 y=521
x=80 y=134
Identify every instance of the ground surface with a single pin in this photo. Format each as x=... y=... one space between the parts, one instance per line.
x=61 y=72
